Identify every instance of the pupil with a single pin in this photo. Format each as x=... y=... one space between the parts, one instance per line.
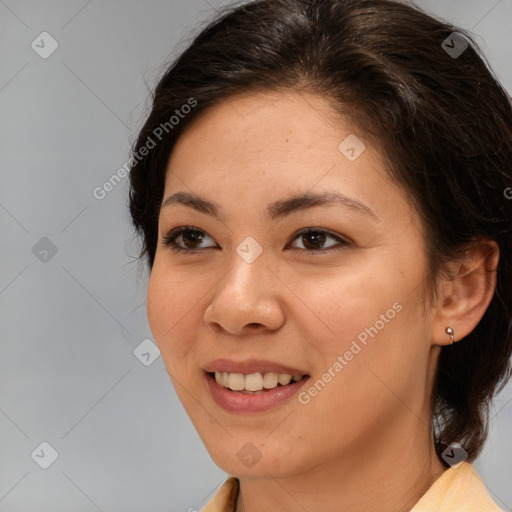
x=313 y=238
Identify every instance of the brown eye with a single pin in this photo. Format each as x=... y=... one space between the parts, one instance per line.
x=186 y=239
x=315 y=240
x=191 y=239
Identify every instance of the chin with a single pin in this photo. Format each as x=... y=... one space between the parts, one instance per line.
x=243 y=458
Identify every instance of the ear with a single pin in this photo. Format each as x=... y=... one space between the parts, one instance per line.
x=466 y=291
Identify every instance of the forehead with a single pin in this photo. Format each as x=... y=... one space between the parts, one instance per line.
x=266 y=114
x=260 y=132
x=256 y=148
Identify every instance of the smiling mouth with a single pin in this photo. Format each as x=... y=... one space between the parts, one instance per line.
x=254 y=383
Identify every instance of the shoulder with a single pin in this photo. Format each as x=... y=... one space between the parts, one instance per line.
x=458 y=488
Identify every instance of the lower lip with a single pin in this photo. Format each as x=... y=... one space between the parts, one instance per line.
x=232 y=401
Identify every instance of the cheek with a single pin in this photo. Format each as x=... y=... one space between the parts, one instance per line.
x=344 y=304
x=378 y=353
x=159 y=304
x=365 y=320
x=173 y=302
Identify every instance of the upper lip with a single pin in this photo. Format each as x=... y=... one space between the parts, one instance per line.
x=250 y=366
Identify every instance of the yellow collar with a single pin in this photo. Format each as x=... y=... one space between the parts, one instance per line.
x=458 y=488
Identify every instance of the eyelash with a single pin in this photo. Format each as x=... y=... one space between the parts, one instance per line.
x=170 y=240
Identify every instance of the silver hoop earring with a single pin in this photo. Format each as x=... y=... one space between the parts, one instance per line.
x=450 y=333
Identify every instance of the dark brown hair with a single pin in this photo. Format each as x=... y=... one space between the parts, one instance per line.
x=442 y=121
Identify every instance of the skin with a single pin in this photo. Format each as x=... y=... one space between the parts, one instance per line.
x=363 y=443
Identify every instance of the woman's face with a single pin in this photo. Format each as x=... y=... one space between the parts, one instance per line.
x=252 y=292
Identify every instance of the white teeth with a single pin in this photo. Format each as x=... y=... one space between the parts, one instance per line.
x=254 y=381
x=284 y=379
x=236 y=381
x=270 y=380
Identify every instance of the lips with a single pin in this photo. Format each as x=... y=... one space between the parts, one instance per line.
x=236 y=386
x=251 y=366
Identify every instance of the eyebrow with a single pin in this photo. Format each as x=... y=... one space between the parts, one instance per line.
x=277 y=209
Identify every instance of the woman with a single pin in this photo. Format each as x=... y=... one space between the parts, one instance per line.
x=320 y=189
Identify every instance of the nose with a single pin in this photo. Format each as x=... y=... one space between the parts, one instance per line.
x=246 y=300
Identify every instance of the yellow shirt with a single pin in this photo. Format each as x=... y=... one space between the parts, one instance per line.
x=458 y=489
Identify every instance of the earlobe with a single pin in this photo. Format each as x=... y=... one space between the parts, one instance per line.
x=465 y=295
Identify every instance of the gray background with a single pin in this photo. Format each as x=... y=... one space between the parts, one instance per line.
x=71 y=321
